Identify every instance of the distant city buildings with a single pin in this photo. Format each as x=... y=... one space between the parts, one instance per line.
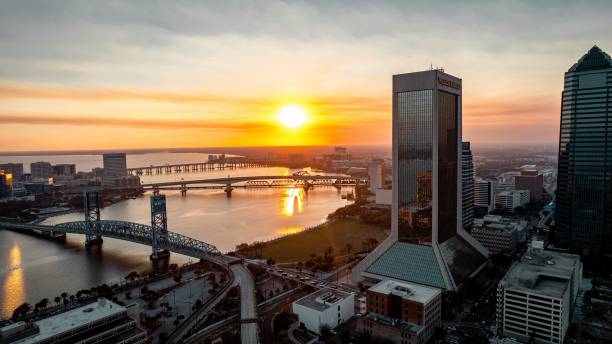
x=99 y=322
x=15 y=169
x=64 y=170
x=584 y=187
x=427 y=234
x=402 y=313
x=325 y=307
x=467 y=183
x=530 y=179
x=41 y=170
x=512 y=199
x=537 y=295
x=484 y=194
x=6 y=184
x=375 y=175
x=499 y=234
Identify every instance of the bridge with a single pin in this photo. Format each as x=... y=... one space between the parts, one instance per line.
x=161 y=241
x=220 y=163
x=301 y=179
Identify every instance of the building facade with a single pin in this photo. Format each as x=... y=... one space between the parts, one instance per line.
x=15 y=169
x=64 y=170
x=375 y=175
x=499 y=234
x=99 y=322
x=530 y=179
x=403 y=313
x=467 y=180
x=41 y=170
x=536 y=296
x=484 y=194
x=115 y=168
x=325 y=307
x=511 y=199
x=427 y=232
x=583 y=213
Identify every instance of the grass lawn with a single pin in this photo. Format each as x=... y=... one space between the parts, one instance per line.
x=299 y=247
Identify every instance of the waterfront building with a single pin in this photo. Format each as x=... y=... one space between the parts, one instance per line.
x=6 y=184
x=536 y=296
x=510 y=199
x=484 y=194
x=403 y=313
x=530 y=179
x=115 y=167
x=41 y=170
x=325 y=307
x=499 y=234
x=467 y=180
x=427 y=236
x=64 y=170
x=583 y=213
x=15 y=169
x=99 y=322
x=375 y=174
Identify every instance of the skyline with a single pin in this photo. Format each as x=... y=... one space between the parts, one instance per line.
x=181 y=75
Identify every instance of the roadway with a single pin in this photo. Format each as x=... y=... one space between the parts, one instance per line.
x=232 y=180
x=248 y=313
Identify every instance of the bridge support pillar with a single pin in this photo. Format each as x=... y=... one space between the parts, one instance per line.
x=183 y=190
x=159 y=226
x=228 y=190
x=91 y=202
x=307 y=186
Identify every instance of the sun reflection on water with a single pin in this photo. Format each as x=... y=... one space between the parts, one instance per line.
x=14 y=285
x=292 y=201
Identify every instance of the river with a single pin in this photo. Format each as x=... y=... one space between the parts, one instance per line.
x=32 y=268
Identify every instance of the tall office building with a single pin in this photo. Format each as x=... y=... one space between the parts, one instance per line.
x=427 y=244
x=584 y=183
x=375 y=175
x=467 y=180
x=530 y=179
x=41 y=170
x=484 y=193
x=115 y=167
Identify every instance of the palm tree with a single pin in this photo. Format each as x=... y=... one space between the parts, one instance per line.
x=57 y=300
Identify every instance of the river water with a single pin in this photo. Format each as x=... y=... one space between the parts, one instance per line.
x=32 y=268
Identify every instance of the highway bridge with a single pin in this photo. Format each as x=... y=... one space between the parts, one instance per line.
x=304 y=180
x=211 y=164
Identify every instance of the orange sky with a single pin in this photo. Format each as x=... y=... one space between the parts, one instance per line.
x=91 y=76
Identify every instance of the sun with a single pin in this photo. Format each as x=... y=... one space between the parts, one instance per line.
x=292 y=116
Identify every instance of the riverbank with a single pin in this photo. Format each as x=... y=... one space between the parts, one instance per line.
x=344 y=236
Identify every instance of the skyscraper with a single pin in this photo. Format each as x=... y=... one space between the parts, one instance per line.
x=467 y=180
x=427 y=244
x=115 y=167
x=584 y=185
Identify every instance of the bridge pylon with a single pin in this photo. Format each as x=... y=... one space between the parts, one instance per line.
x=91 y=205
x=159 y=225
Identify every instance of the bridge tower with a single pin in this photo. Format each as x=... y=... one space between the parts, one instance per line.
x=159 y=225
x=91 y=202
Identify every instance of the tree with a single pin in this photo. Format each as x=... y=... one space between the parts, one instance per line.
x=270 y=261
x=178 y=278
x=329 y=251
x=20 y=312
x=348 y=248
x=325 y=333
x=57 y=300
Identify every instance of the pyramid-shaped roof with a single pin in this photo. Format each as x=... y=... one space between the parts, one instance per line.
x=593 y=60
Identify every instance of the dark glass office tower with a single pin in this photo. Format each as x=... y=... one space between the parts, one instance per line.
x=427 y=244
x=584 y=183
x=467 y=177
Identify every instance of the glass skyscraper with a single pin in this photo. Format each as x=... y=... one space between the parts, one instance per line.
x=584 y=184
x=427 y=244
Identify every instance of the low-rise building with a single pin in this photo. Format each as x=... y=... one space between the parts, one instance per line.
x=536 y=296
x=403 y=313
x=511 y=199
x=41 y=170
x=325 y=307
x=99 y=322
x=499 y=234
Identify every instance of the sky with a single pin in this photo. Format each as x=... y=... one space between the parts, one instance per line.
x=148 y=74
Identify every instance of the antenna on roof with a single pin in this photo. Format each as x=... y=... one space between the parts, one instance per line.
x=430 y=66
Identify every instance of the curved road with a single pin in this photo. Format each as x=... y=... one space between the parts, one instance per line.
x=248 y=313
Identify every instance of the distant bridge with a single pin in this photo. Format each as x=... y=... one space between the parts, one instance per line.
x=212 y=164
x=304 y=180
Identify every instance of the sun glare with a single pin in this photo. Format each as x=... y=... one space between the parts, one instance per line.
x=292 y=116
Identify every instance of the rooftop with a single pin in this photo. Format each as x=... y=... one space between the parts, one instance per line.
x=393 y=322
x=593 y=60
x=542 y=272
x=409 y=262
x=323 y=299
x=407 y=291
x=63 y=322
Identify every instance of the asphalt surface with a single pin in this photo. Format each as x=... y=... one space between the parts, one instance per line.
x=248 y=313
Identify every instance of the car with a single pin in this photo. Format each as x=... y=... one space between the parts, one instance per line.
x=292 y=275
x=322 y=285
x=284 y=274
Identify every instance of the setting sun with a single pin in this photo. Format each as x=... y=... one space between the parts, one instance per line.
x=292 y=116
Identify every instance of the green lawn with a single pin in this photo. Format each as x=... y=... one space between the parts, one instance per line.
x=337 y=234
